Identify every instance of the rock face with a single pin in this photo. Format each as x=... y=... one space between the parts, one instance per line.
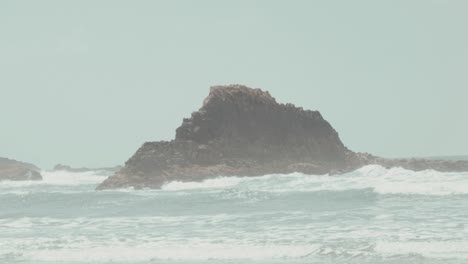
x=241 y=131
x=13 y=170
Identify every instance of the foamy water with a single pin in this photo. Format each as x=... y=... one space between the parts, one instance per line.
x=372 y=215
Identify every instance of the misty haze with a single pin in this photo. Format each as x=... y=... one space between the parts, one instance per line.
x=233 y=132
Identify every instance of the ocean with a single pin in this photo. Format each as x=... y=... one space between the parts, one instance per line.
x=371 y=215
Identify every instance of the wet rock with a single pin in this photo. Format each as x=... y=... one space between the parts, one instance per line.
x=13 y=170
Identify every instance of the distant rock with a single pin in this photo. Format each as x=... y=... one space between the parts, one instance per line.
x=60 y=167
x=414 y=164
x=241 y=131
x=13 y=170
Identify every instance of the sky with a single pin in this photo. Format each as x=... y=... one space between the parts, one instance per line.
x=87 y=82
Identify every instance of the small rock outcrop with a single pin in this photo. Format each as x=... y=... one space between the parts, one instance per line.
x=358 y=160
x=61 y=167
x=240 y=131
x=13 y=170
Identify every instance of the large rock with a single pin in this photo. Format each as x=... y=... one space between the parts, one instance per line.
x=241 y=131
x=13 y=170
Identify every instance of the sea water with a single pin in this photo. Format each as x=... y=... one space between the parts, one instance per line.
x=371 y=215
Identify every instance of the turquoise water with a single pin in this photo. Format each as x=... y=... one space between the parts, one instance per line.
x=372 y=215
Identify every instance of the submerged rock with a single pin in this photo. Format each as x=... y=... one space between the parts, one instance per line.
x=13 y=170
x=241 y=131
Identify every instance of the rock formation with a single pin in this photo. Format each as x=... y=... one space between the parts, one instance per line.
x=241 y=131
x=61 y=167
x=414 y=164
x=13 y=170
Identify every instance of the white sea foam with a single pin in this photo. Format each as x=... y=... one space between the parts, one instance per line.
x=57 y=178
x=247 y=236
x=71 y=250
x=374 y=177
x=431 y=249
x=220 y=182
x=195 y=222
x=164 y=251
x=72 y=178
x=377 y=178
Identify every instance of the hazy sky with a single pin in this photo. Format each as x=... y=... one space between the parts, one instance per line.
x=87 y=82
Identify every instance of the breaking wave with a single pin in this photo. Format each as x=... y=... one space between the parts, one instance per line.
x=375 y=177
x=371 y=215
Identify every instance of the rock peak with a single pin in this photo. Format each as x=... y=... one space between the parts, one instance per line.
x=237 y=113
x=237 y=92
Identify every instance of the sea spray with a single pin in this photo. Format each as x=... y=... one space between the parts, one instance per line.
x=371 y=215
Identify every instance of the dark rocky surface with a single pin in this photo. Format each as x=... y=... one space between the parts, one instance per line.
x=13 y=170
x=241 y=131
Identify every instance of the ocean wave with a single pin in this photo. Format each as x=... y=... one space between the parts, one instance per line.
x=60 y=178
x=68 y=250
x=160 y=251
x=394 y=181
x=430 y=249
x=375 y=177
x=287 y=236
